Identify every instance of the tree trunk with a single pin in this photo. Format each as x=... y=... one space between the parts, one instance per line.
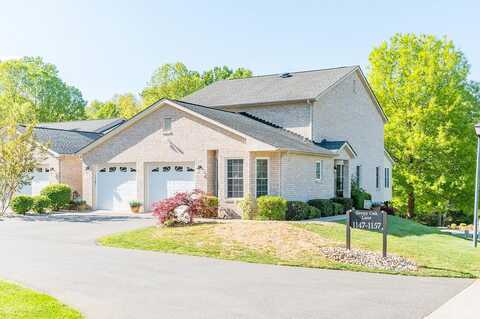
x=411 y=205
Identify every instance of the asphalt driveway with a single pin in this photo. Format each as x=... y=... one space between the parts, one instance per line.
x=58 y=255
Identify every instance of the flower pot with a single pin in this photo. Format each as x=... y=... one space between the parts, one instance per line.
x=135 y=209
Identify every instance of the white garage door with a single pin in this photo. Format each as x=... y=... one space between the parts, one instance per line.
x=116 y=187
x=166 y=180
x=40 y=179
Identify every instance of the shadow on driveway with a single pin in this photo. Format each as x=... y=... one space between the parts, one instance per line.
x=81 y=217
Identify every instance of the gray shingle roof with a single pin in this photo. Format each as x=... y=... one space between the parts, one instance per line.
x=97 y=126
x=63 y=141
x=257 y=129
x=269 y=88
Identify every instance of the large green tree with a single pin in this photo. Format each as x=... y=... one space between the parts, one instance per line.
x=421 y=82
x=121 y=105
x=36 y=85
x=176 y=81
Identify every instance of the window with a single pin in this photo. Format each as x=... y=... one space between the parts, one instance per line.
x=178 y=168
x=190 y=169
x=235 y=178
x=377 y=176
x=358 y=175
x=167 y=124
x=133 y=170
x=112 y=169
x=319 y=170
x=387 y=177
x=123 y=169
x=166 y=169
x=262 y=176
x=156 y=170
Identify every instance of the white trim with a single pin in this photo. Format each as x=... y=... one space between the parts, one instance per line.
x=268 y=174
x=388 y=156
x=226 y=177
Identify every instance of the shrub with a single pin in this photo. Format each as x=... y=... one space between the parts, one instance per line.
x=40 y=204
x=248 y=207
x=22 y=204
x=179 y=209
x=297 y=210
x=272 y=207
x=388 y=208
x=453 y=226
x=359 y=196
x=324 y=205
x=58 y=194
x=211 y=207
x=346 y=202
x=456 y=217
x=338 y=209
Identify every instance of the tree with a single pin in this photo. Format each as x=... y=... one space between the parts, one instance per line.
x=19 y=155
x=32 y=82
x=176 y=81
x=421 y=82
x=124 y=106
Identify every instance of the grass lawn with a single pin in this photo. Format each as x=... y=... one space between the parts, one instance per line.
x=21 y=303
x=296 y=244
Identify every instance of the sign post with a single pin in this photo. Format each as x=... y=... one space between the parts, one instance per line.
x=368 y=220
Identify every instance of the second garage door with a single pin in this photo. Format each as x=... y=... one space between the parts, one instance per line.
x=116 y=187
x=40 y=179
x=166 y=180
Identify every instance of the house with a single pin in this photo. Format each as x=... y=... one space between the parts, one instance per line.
x=300 y=135
x=63 y=140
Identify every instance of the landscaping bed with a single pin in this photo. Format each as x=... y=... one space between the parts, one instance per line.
x=414 y=249
x=21 y=303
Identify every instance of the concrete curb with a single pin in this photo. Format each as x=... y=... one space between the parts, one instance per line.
x=463 y=305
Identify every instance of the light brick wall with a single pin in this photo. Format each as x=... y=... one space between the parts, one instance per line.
x=191 y=138
x=71 y=172
x=298 y=177
x=294 y=117
x=345 y=113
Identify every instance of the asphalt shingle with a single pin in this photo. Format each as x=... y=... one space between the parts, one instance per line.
x=97 y=126
x=64 y=141
x=269 y=88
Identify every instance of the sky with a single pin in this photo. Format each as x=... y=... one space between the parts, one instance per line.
x=106 y=47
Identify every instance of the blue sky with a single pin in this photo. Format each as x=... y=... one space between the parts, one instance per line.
x=107 y=47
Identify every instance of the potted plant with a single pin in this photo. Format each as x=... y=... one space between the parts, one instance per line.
x=135 y=206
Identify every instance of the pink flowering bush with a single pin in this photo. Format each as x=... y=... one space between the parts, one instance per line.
x=179 y=209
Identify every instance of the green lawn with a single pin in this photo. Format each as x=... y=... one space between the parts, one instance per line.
x=20 y=303
x=296 y=244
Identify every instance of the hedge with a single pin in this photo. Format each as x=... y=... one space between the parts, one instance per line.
x=271 y=207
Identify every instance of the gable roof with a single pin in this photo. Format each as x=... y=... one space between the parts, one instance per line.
x=97 y=126
x=242 y=124
x=298 y=86
x=337 y=146
x=63 y=141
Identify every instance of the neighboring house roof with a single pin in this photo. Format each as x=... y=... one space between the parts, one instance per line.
x=294 y=86
x=97 y=126
x=63 y=141
x=242 y=124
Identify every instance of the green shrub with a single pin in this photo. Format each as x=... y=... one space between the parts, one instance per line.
x=338 y=209
x=40 y=204
x=211 y=207
x=297 y=210
x=22 y=204
x=346 y=202
x=314 y=212
x=272 y=207
x=58 y=194
x=359 y=196
x=248 y=207
x=324 y=205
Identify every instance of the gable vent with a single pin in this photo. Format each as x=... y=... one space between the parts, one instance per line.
x=285 y=75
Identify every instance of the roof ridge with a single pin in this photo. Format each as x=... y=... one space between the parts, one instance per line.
x=64 y=130
x=293 y=72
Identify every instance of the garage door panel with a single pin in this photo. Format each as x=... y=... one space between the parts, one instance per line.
x=40 y=178
x=116 y=187
x=169 y=179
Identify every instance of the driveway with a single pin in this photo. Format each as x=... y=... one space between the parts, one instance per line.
x=58 y=255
